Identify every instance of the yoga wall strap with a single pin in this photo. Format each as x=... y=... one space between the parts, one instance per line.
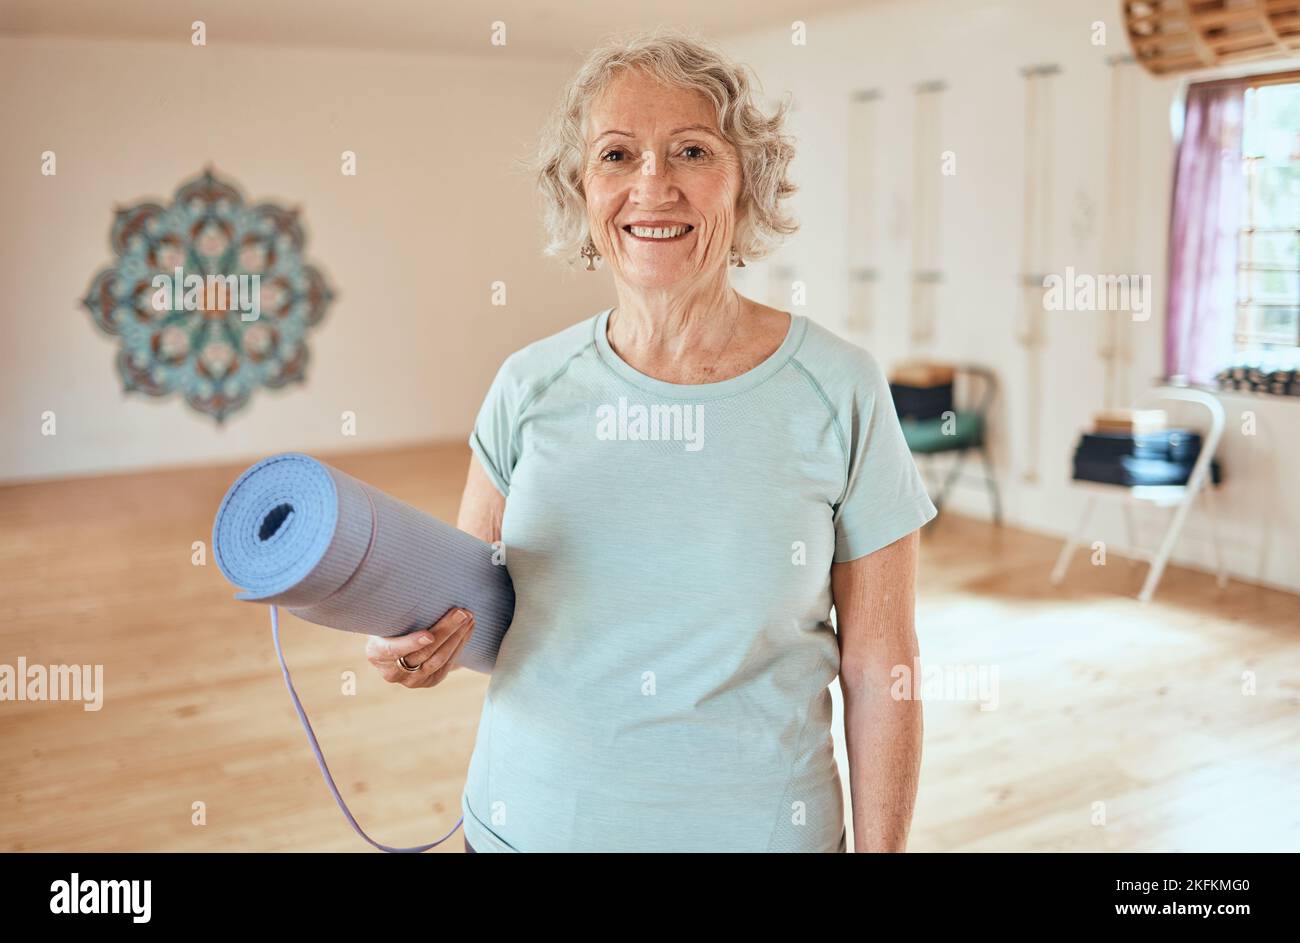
x=927 y=198
x=1035 y=247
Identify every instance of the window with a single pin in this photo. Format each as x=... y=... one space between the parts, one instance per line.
x=1233 y=300
x=1267 y=331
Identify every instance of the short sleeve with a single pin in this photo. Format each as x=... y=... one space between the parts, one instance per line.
x=884 y=496
x=494 y=438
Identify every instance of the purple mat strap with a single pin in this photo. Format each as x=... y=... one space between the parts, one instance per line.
x=320 y=757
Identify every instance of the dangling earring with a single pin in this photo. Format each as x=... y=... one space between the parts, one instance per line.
x=736 y=260
x=588 y=252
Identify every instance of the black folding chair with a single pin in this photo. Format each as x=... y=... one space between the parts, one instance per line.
x=963 y=431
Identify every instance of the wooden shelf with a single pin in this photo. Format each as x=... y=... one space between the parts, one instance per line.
x=1170 y=36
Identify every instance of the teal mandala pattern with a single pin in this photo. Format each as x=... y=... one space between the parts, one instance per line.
x=200 y=344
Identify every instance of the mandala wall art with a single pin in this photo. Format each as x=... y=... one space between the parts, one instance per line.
x=210 y=296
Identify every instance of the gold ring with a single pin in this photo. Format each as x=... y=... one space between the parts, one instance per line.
x=401 y=663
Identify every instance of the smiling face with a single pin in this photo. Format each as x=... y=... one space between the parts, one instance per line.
x=661 y=183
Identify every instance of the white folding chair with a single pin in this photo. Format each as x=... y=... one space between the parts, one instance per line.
x=1179 y=497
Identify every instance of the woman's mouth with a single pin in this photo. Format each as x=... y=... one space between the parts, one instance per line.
x=657 y=233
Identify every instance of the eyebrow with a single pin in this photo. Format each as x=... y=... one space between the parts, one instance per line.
x=697 y=127
x=690 y=127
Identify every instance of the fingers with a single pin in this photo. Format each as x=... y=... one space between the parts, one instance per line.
x=384 y=652
x=454 y=661
x=428 y=650
x=436 y=660
x=380 y=649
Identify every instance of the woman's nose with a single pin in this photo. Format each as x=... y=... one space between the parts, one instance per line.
x=654 y=184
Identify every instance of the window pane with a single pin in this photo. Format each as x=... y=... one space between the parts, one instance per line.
x=1276 y=196
x=1272 y=123
x=1271 y=247
x=1268 y=258
x=1269 y=326
x=1269 y=288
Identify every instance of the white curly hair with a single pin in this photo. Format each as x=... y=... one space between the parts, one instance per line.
x=686 y=61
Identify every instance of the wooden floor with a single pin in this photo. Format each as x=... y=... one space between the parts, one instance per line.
x=1117 y=726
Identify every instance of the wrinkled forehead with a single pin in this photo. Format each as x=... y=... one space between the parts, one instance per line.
x=642 y=104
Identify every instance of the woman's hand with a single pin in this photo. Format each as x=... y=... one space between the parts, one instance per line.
x=431 y=652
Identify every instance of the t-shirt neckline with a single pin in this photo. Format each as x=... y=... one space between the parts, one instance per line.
x=699 y=391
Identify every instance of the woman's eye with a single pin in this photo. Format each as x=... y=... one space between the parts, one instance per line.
x=611 y=155
x=694 y=152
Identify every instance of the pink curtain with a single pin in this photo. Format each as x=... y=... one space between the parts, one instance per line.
x=1203 y=225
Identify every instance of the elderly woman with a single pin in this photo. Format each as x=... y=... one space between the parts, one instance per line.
x=684 y=484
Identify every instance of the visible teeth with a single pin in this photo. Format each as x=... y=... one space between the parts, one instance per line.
x=648 y=232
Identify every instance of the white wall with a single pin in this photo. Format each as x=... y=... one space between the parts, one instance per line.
x=978 y=47
x=435 y=215
x=410 y=245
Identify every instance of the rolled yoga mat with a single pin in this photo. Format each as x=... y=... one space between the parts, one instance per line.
x=300 y=534
x=295 y=532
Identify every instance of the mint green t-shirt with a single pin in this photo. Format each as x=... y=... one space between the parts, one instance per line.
x=664 y=683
